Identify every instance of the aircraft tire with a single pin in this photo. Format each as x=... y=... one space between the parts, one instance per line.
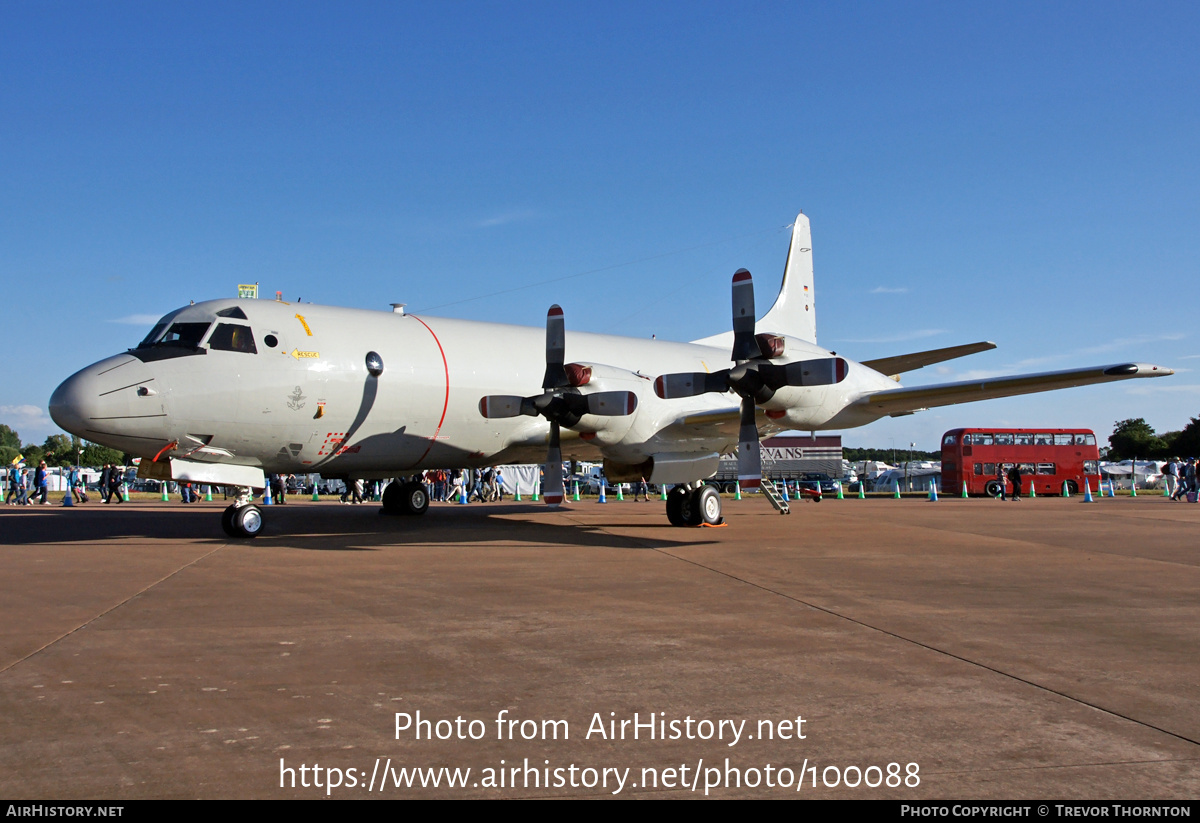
x=414 y=498
x=392 y=499
x=247 y=521
x=227 y=521
x=675 y=501
x=706 y=502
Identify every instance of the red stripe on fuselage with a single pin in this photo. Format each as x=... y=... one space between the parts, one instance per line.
x=446 y=401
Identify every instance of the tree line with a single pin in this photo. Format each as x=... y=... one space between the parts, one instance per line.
x=1137 y=438
x=58 y=450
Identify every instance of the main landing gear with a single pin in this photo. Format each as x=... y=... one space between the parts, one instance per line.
x=243 y=519
x=694 y=504
x=409 y=497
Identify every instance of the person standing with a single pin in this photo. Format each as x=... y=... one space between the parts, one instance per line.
x=1000 y=480
x=114 y=483
x=1014 y=476
x=41 y=483
x=105 y=476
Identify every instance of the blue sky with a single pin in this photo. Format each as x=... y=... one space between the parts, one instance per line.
x=1025 y=173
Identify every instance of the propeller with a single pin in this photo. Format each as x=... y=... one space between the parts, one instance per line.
x=753 y=377
x=560 y=401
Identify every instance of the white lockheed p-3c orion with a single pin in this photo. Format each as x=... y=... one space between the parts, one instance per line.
x=224 y=391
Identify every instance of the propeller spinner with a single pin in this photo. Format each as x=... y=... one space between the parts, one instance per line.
x=560 y=401
x=753 y=378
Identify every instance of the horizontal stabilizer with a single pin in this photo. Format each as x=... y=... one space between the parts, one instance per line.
x=901 y=401
x=918 y=360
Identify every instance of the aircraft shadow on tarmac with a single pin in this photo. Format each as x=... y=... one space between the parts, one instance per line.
x=331 y=528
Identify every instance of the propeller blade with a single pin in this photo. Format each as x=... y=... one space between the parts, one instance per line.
x=823 y=371
x=611 y=403
x=745 y=347
x=498 y=406
x=553 y=493
x=690 y=384
x=749 y=449
x=556 y=344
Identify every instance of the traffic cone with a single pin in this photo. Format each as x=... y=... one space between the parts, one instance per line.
x=737 y=490
x=663 y=490
x=1032 y=489
x=517 y=492
x=620 y=495
x=862 y=493
x=896 y=489
x=840 y=495
x=1087 y=490
x=316 y=498
x=785 y=494
x=576 y=496
x=602 y=498
x=69 y=499
x=208 y=494
x=1133 y=484
x=537 y=485
x=266 y=498
x=462 y=495
x=1066 y=490
x=933 y=493
x=165 y=498
x=964 y=490
x=124 y=493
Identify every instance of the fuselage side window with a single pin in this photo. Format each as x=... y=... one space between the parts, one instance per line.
x=232 y=337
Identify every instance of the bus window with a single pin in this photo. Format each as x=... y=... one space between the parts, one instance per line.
x=950 y=440
x=1025 y=439
x=1091 y=467
x=982 y=440
x=1004 y=439
x=1064 y=439
x=1085 y=440
x=985 y=469
x=1045 y=468
x=1027 y=468
x=1043 y=440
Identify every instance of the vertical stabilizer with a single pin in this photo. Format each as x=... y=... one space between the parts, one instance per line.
x=795 y=310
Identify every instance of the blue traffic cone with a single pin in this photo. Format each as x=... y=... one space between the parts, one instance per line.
x=602 y=498
x=933 y=493
x=68 y=500
x=1087 y=490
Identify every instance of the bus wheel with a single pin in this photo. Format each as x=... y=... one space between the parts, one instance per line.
x=993 y=488
x=1072 y=487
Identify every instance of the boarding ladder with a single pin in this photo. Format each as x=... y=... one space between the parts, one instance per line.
x=772 y=494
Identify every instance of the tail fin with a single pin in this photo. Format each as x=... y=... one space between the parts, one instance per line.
x=795 y=310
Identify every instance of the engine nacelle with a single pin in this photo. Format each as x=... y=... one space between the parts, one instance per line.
x=664 y=468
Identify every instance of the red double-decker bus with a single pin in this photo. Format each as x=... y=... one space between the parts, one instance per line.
x=1048 y=458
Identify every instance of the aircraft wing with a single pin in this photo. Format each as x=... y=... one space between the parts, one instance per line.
x=901 y=401
x=918 y=360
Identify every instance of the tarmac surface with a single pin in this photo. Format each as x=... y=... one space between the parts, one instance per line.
x=1039 y=649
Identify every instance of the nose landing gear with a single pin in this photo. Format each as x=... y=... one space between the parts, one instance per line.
x=694 y=504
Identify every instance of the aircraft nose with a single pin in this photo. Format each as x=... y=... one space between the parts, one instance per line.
x=100 y=392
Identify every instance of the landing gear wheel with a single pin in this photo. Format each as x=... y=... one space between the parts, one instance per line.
x=227 y=521
x=993 y=488
x=247 y=521
x=675 y=501
x=405 y=498
x=414 y=498
x=706 y=504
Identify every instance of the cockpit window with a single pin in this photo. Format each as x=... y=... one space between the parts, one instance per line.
x=154 y=334
x=232 y=337
x=234 y=312
x=179 y=340
x=184 y=335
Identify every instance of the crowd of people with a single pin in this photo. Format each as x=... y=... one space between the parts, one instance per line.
x=1180 y=477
